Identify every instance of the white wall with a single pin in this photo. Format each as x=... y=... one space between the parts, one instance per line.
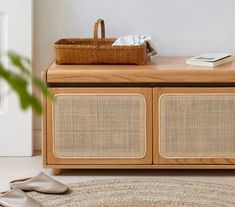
x=177 y=27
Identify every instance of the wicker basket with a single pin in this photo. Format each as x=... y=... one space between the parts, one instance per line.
x=98 y=51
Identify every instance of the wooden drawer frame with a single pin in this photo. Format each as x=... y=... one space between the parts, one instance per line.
x=153 y=159
x=158 y=159
x=52 y=159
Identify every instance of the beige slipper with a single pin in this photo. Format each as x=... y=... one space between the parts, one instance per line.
x=41 y=183
x=17 y=198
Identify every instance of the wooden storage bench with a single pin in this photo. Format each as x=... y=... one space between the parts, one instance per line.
x=161 y=115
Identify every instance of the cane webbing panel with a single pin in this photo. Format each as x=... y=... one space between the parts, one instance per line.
x=104 y=125
x=197 y=125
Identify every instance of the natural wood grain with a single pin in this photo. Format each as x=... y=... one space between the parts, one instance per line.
x=44 y=122
x=147 y=159
x=157 y=157
x=160 y=70
x=163 y=70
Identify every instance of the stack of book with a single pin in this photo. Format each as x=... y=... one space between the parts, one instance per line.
x=210 y=60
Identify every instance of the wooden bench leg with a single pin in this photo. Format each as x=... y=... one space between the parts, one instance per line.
x=56 y=171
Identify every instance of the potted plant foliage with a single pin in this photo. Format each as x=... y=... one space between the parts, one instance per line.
x=20 y=79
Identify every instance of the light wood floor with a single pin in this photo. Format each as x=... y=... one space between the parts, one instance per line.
x=21 y=167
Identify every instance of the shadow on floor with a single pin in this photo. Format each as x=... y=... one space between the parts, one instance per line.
x=152 y=172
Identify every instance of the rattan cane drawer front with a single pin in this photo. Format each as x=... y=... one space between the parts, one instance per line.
x=197 y=125
x=99 y=125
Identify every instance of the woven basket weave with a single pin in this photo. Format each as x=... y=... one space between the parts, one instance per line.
x=98 y=51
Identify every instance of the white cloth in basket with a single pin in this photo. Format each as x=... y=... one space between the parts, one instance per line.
x=131 y=40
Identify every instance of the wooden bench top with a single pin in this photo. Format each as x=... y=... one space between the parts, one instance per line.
x=159 y=70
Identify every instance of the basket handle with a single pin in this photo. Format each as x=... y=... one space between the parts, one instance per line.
x=96 y=26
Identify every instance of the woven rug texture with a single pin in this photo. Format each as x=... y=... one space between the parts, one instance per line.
x=141 y=192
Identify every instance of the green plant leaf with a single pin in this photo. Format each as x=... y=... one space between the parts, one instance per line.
x=20 y=81
x=43 y=88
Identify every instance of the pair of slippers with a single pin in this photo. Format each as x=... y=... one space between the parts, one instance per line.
x=42 y=183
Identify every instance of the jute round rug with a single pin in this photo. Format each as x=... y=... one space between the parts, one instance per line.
x=141 y=192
